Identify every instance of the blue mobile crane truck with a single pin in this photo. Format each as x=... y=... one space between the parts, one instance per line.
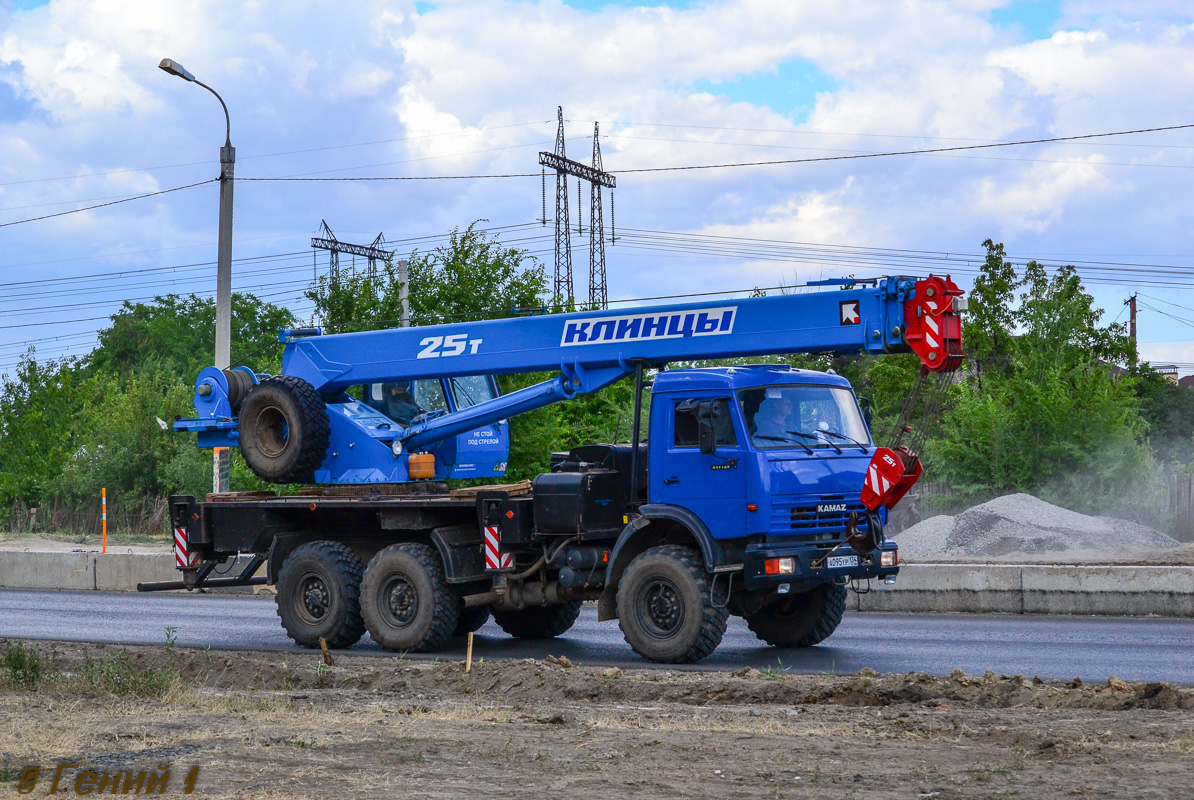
x=758 y=490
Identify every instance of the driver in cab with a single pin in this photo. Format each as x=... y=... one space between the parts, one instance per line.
x=774 y=417
x=399 y=402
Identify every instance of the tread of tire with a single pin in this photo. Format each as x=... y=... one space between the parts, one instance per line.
x=713 y=619
x=822 y=628
x=352 y=570
x=316 y=428
x=447 y=602
x=539 y=622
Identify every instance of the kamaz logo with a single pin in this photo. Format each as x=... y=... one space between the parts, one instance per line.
x=638 y=327
x=826 y=508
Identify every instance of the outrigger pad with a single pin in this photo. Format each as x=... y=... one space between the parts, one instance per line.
x=889 y=477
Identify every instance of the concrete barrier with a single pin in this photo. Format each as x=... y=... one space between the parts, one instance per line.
x=109 y=572
x=973 y=588
x=1122 y=591
x=121 y=572
x=22 y=569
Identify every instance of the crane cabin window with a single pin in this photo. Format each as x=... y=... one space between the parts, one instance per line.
x=686 y=430
x=403 y=401
x=471 y=390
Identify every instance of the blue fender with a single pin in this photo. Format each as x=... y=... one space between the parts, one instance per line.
x=626 y=548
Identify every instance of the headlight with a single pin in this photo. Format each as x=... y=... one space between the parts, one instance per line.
x=780 y=566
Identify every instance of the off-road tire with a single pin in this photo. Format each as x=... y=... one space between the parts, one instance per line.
x=800 y=620
x=319 y=595
x=406 y=600
x=283 y=430
x=471 y=620
x=666 y=606
x=539 y=622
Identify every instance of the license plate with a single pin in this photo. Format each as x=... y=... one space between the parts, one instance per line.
x=838 y=562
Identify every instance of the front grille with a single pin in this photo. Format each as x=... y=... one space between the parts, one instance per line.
x=804 y=518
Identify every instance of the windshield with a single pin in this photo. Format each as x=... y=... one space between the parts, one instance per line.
x=470 y=390
x=802 y=416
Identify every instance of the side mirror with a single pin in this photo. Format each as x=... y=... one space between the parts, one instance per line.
x=705 y=435
x=868 y=413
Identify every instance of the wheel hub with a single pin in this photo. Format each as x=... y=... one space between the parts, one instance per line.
x=400 y=600
x=315 y=598
x=272 y=431
x=662 y=608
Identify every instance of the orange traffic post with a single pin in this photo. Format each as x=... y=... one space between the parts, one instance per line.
x=104 y=501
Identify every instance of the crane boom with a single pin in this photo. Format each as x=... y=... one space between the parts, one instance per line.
x=587 y=351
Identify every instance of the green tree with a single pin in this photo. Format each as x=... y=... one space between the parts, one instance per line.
x=473 y=276
x=1047 y=414
x=42 y=408
x=177 y=332
x=1169 y=410
x=991 y=318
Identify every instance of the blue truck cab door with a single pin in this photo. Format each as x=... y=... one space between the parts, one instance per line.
x=711 y=485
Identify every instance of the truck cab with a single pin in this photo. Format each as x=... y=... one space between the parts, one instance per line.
x=777 y=475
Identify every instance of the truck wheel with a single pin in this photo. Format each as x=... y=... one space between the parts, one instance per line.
x=471 y=620
x=319 y=595
x=283 y=430
x=406 y=600
x=800 y=620
x=666 y=607
x=539 y=622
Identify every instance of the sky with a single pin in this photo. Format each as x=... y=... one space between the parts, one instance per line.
x=470 y=88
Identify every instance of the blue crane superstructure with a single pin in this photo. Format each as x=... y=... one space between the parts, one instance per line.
x=758 y=490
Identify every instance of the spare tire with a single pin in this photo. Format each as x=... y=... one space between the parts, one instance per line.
x=283 y=427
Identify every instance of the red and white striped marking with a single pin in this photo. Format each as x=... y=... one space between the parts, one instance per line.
x=494 y=557
x=182 y=557
x=932 y=326
x=879 y=485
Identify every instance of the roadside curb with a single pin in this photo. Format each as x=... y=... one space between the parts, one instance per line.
x=1120 y=591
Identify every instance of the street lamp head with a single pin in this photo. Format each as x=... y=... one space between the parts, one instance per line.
x=174 y=68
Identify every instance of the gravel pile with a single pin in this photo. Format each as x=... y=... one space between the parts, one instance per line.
x=1021 y=523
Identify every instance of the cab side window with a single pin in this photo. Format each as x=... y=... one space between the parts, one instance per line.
x=685 y=428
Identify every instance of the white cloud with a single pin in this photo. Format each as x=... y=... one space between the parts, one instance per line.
x=454 y=88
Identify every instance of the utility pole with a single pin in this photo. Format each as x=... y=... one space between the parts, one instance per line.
x=564 y=167
x=1131 y=304
x=404 y=292
x=328 y=241
x=221 y=459
x=598 y=291
x=562 y=283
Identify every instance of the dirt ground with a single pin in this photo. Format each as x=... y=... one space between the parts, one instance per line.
x=89 y=544
x=285 y=725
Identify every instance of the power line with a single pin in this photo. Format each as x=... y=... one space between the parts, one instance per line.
x=777 y=162
x=956 y=148
x=792 y=131
x=405 y=177
x=869 y=152
x=112 y=203
x=280 y=153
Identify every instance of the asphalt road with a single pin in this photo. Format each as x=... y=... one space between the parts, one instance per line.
x=1051 y=647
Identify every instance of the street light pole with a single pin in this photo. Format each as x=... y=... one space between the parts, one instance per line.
x=221 y=460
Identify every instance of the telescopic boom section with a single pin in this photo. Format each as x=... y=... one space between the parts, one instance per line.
x=591 y=350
